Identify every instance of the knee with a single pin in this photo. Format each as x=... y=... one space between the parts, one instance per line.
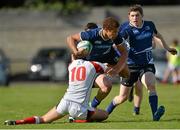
x=120 y=99
x=105 y=84
x=151 y=87
x=106 y=88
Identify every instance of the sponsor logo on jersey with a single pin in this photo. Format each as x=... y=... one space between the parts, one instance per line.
x=143 y=36
x=135 y=31
x=98 y=42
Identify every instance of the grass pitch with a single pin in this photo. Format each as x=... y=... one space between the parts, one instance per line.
x=27 y=99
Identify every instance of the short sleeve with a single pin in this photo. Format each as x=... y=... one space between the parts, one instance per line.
x=118 y=39
x=90 y=35
x=123 y=30
x=84 y=35
x=154 y=27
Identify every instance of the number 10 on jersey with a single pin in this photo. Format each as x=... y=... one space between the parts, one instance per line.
x=78 y=73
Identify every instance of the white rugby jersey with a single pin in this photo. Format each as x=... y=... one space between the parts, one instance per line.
x=81 y=79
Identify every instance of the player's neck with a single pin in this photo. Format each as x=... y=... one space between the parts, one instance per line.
x=139 y=25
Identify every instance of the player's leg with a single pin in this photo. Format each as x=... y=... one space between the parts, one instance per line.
x=167 y=73
x=97 y=115
x=175 y=75
x=148 y=80
x=51 y=116
x=138 y=95
x=47 y=118
x=131 y=95
x=122 y=97
x=105 y=84
x=178 y=74
x=125 y=89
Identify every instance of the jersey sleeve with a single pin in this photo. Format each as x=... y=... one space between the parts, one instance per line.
x=88 y=35
x=124 y=30
x=84 y=35
x=118 y=39
x=154 y=27
x=98 y=67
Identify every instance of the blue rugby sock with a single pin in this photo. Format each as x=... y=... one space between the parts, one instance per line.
x=136 y=110
x=111 y=107
x=95 y=102
x=153 y=101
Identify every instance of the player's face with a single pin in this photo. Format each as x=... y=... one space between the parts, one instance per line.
x=135 y=18
x=112 y=34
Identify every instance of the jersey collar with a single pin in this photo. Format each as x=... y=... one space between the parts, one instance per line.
x=137 y=27
x=101 y=34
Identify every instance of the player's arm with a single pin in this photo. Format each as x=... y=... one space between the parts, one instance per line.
x=160 y=37
x=122 y=61
x=71 y=41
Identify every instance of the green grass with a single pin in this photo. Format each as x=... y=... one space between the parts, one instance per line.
x=24 y=100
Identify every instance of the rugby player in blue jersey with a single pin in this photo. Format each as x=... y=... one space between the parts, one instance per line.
x=103 y=40
x=140 y=33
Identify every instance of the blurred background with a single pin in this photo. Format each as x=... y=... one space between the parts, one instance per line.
x=33 y=33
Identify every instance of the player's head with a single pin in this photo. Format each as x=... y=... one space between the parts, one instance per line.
x=110 y=27
x=135 y=15
x=90 y=25
x=175 y=42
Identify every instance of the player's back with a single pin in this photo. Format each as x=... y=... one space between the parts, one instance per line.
x=81 y=78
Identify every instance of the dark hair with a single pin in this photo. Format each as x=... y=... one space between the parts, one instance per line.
x=110 y=23
x=90 y=25
x=136 y=8
x=175 y=42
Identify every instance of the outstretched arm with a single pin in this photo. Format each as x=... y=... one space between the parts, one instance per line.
x=173 y=51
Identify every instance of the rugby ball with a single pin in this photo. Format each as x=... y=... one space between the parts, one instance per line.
x=85 y=45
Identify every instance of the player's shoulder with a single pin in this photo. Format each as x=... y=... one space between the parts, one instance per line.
x=146 y=22
x=125 y=24
x=94 y=31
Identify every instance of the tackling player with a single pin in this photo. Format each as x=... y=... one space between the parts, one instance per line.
x=75 y=102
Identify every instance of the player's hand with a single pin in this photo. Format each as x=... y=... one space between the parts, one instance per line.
x=111 y=72
x=173 y=51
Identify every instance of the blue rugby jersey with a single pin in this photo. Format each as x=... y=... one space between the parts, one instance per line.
x=102 y=50
x=140 y=42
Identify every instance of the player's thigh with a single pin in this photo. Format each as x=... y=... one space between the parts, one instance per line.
x=124 y=91
x=138 y=87
x=103 y=82
x=79 y=111
x=148 y=79
x=57 y=112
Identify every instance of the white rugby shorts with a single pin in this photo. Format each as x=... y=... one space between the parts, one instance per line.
x=75 y=110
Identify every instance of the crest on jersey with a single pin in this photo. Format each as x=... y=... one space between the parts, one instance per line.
x=147 y=28
x=135 y=31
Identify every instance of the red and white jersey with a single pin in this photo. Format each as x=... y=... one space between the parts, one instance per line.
x=81 y=79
